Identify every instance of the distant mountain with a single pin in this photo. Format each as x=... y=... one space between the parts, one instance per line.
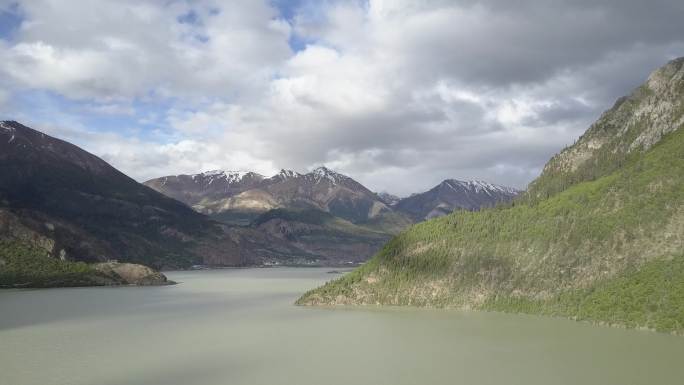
x=453 y=194
x=85 y=210
x=320 y=217
x=240 y=197
x=388 y=199
x=317 y=216
x=218 y=192
x=598 y=236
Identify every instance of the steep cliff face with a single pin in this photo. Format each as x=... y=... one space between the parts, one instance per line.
x=633 y=125
x=600 y=235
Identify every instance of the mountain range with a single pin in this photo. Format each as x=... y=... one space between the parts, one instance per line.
x=598 y=236
x=325 y=215
x=61 y=202
x=239 y=197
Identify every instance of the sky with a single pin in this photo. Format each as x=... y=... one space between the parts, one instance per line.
x=399 y=95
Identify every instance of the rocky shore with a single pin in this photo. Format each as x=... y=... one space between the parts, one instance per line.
x=132 y=274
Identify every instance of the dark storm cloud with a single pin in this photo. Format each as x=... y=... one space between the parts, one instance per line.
x=501 y=42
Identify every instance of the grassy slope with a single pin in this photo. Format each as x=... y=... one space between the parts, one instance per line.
x=573 y=254
x=25 y=266
x=651 y=297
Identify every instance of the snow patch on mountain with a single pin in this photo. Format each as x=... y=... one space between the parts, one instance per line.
x=286 y=174
x=230 y=177
x=5 y=126
x=388 y=199
x=318 y=175
x=479 y=186
x=323 y=173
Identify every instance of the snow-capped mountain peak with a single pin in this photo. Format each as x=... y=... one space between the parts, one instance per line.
x=323 y=173
x=9 y=129
x=286 y=174
x=228 y=176
x=479 y=186
x=454 y=194
x=388 y=199
x=4 y=124
x=318 y=175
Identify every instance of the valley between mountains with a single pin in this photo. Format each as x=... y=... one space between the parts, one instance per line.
x=64 y=211
x=320 y=217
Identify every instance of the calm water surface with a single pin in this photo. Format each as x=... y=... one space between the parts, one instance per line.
x=240 y=327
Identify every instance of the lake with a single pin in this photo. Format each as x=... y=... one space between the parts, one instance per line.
x=239 y=326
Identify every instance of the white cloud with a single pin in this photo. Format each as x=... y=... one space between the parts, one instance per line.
x=399 y=94
x=112 y=109
x=108 y=50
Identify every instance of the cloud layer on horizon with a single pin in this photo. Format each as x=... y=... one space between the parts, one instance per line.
x=397 y=94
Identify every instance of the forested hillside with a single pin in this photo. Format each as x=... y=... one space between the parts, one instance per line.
x=598 y=236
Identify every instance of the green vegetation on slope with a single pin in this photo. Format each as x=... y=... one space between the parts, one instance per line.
x=606 y=159
x=630 y=126
x=25 y=266
x=592 y=240
x=651 y=296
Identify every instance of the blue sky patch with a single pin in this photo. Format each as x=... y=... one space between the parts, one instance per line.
x=191 y=17
x=10 y=21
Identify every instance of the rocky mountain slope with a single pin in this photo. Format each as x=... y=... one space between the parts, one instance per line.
x=453 y=194
x=218 y=193
x=74 y=206
x=633 y=125
x=240 y=197
x=598 y=236
x=309 y=236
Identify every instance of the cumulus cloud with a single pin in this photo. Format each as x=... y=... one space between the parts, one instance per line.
x=398 y=94
x=110 y=50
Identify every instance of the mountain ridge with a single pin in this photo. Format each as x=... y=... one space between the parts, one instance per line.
x=452 y=194
x=234 y=185
x=321 y=188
